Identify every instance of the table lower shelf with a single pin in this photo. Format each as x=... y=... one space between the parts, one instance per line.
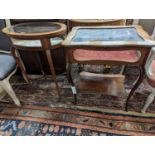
x=110 y=84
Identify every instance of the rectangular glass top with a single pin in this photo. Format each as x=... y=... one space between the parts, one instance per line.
x=106 y=34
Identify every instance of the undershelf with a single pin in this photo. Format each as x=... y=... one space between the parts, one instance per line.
x=110 y=84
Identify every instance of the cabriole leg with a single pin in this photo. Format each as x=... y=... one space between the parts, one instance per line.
x=138 y=82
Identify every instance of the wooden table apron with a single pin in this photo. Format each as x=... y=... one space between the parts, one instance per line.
x=144 y=50
x=45 y=45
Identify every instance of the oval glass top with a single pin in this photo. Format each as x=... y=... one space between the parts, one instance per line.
x=35 y=27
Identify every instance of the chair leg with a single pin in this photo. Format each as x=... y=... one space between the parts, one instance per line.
x=8 y=88
x=149 y=100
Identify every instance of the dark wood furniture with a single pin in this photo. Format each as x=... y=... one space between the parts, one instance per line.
x=109 y=39
x=35 y=36
x=94 y=22
x=129 y=21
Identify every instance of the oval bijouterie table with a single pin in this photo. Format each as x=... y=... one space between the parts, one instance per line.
x=36 y=36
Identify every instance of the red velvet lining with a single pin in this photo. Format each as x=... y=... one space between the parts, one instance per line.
x=88 y=55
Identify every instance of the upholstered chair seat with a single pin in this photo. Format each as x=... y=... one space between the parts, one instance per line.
x=7 y=65
x=89 y=55
x=7 y=69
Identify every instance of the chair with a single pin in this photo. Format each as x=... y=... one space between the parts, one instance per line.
x=150 y=76
x=7 y=69
x=150 y=79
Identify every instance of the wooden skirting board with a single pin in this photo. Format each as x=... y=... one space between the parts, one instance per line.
x=111 y=84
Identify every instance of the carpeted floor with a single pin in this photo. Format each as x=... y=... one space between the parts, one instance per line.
x=43 y=113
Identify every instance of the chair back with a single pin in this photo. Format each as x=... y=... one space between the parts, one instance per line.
x=151 y=57
x=5 y=42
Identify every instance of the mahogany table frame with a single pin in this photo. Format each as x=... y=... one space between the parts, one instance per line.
x=95 y=22
x=46 y=46
x=144 y=47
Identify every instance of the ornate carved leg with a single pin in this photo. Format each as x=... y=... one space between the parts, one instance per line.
x=138 y=82
x=70 y=80
x=50 y=61
x=21 y=65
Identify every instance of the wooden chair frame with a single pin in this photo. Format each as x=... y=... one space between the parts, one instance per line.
x=151 y=97
x=5 y=84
